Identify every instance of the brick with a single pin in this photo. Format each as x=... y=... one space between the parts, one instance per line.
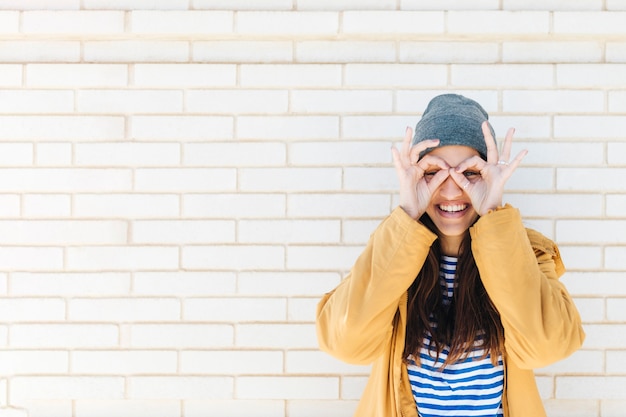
x=9 y=22
x=500 y=22
x=588 y=126
x=545 y=386
x=557 y=205
x=126 y=205
x=335 y=257
x=287 y=23
x=502 y=75
x=286 y=387
x=16 y=154
x=242 y=205
x=132 y=51
x=551 y=5
x=590 y=179
x=54 y=128
x=357 y=231
x=240 y=257
x=352 y=387
x=116 y=258
x=575 y=154
x=183 y=231
x=124 y=309
x=31 y=310
x=415 y=101
x=239 y=154
x=591 y=309
x=571 y=408
x=10 y=205
x=615 y=205
x=590 y=75
x=72 y=22
x=340 y=51
x=590 y=387
x=65 y=387
x=286 y=283
x=31 y=258
x=229 y=362
x=242 y=51
x=236 y=310
x=10 y=75
x=183 y=336
x=39 y=51
x=540 y=178
x=339 y=153
x=338 y=205
x=398 y=75
x=580 y=362
x=136 y=4
x=173 y=22
x=4 y=335
x=615 y=362
x=53 y=154
x=243 y=5
x=594 y=283
x=36 y=101
x=124 y=362
x=617 y=103
x=64 y=335
x=590 y=231
x=303 y=309
x=301 y=75
x=278 y=336
x=596 y=22
x=449 y=5
x=128 y=408
x=287 y=127
x=615 y=5
x=525 y=126
x=370 y=179
x=61 y=232
x=601 y=336
x=288 y=231
x=615 y=153
x=317 y=362
x=289 y=179
x=612 y=408
x=581 y=257
x=328 y=408
x=552 y=52
x=553 y=101
x=185 y=128
x=393 y=22
x=69 y=284
x=375 y=127
x=615 y=257
x=185 y=179
x=180 y=387
x=129 y=101
x=237 y=101
x=39 y=4
x=15 y=362
x=59 y=408
x=346 y=5
x=449 y=52
x=184 y=283
x=235 y=408
x=187 y=75
x=344 y=101
x=615 y=52
x=4 y=284
x=127 y=154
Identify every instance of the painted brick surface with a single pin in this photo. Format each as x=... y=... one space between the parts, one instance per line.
x=181 y=181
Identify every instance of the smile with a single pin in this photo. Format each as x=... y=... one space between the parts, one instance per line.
x=452 y=208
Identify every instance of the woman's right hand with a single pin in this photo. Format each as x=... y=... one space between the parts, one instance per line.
x=418 y=178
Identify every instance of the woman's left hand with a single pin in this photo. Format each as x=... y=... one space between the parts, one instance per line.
x=486 y=188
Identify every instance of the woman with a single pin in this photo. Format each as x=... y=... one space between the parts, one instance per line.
x=453 y=301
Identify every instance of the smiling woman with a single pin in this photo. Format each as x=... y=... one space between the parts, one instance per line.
x=453 y=300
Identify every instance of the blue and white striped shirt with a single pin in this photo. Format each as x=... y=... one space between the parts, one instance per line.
x=471 y=387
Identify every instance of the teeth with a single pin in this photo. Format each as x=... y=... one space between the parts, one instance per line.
x=453 y=208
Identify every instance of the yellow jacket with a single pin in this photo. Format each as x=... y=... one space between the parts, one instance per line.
x=363 y=320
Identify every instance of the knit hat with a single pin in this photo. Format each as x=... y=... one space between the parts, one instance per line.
x=454 y=120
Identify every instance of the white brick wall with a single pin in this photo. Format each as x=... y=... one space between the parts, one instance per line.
x=181 y=180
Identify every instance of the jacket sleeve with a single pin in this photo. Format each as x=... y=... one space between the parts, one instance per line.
x=520 y=270
x=354 y=321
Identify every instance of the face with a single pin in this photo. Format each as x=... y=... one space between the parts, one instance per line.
x=450 y=207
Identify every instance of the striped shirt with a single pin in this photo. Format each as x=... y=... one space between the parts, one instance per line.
x=471 y=387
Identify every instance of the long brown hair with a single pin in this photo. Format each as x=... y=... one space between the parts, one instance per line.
x=470 y=315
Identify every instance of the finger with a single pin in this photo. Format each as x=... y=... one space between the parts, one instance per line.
x=438 y=179
x=518 y=159
x=508 y=143
x=406 y=143
x=420 y=147
x=429 y=161
x=397 y=162
x=475 y=162
x=460 y=179
x=490 y=141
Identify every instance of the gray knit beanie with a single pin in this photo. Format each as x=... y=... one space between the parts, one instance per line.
x=454 y=120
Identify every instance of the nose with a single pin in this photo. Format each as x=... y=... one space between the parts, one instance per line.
x=450 y=190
